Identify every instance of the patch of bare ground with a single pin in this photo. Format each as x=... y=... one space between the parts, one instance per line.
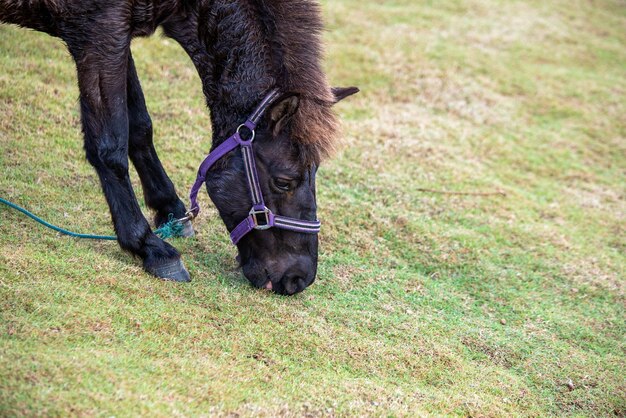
x=494 y=353
x=592 y=272
x=345 y=275
x=494 y=29
x=598 y=196
x=440 y=128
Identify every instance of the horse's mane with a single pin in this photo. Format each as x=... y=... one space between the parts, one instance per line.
x=298 y=33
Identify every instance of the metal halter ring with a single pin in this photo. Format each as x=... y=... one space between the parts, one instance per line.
x=252 y=132
x=190 y=215
x=266 y=211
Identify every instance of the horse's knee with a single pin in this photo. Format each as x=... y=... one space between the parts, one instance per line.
x=108 y=154
x=115 y=159
x=141 y=125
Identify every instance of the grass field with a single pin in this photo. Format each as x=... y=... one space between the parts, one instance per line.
x=504 y=304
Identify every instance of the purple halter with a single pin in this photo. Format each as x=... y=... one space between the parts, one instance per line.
x=260 y=216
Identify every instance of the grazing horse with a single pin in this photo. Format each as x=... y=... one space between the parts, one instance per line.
x=243 y=50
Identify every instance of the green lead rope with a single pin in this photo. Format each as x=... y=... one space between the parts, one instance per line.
x=172 y=229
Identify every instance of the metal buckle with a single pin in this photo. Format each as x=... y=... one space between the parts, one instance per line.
x=189 y=215
x=252 y=133
x=266 y=212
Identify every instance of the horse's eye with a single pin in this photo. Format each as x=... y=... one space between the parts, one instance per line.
x=283 y=184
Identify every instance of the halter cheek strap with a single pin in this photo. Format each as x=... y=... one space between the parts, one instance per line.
x=260 y=216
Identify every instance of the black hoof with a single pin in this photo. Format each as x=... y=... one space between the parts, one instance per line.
x=173 y=270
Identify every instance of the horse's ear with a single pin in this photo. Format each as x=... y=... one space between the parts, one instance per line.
x=283 y=110
x=341 y=93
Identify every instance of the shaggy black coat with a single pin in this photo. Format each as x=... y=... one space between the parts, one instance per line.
x=241 y=49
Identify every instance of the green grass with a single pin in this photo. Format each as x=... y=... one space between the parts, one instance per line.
x=425 y=304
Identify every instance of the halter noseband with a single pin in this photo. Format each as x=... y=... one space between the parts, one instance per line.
x=260 y=216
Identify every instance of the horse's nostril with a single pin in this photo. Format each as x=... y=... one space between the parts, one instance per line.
x=293 y=279
x=290 y=286
x=293 y=284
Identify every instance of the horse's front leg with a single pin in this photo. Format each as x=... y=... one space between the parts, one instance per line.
x=159 y=192
x=104 y=112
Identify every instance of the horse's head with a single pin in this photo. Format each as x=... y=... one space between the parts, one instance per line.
x=281 y=260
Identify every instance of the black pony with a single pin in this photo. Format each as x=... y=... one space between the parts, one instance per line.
x=242 y=49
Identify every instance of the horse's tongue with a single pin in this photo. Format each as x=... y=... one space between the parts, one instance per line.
x=269 y=286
